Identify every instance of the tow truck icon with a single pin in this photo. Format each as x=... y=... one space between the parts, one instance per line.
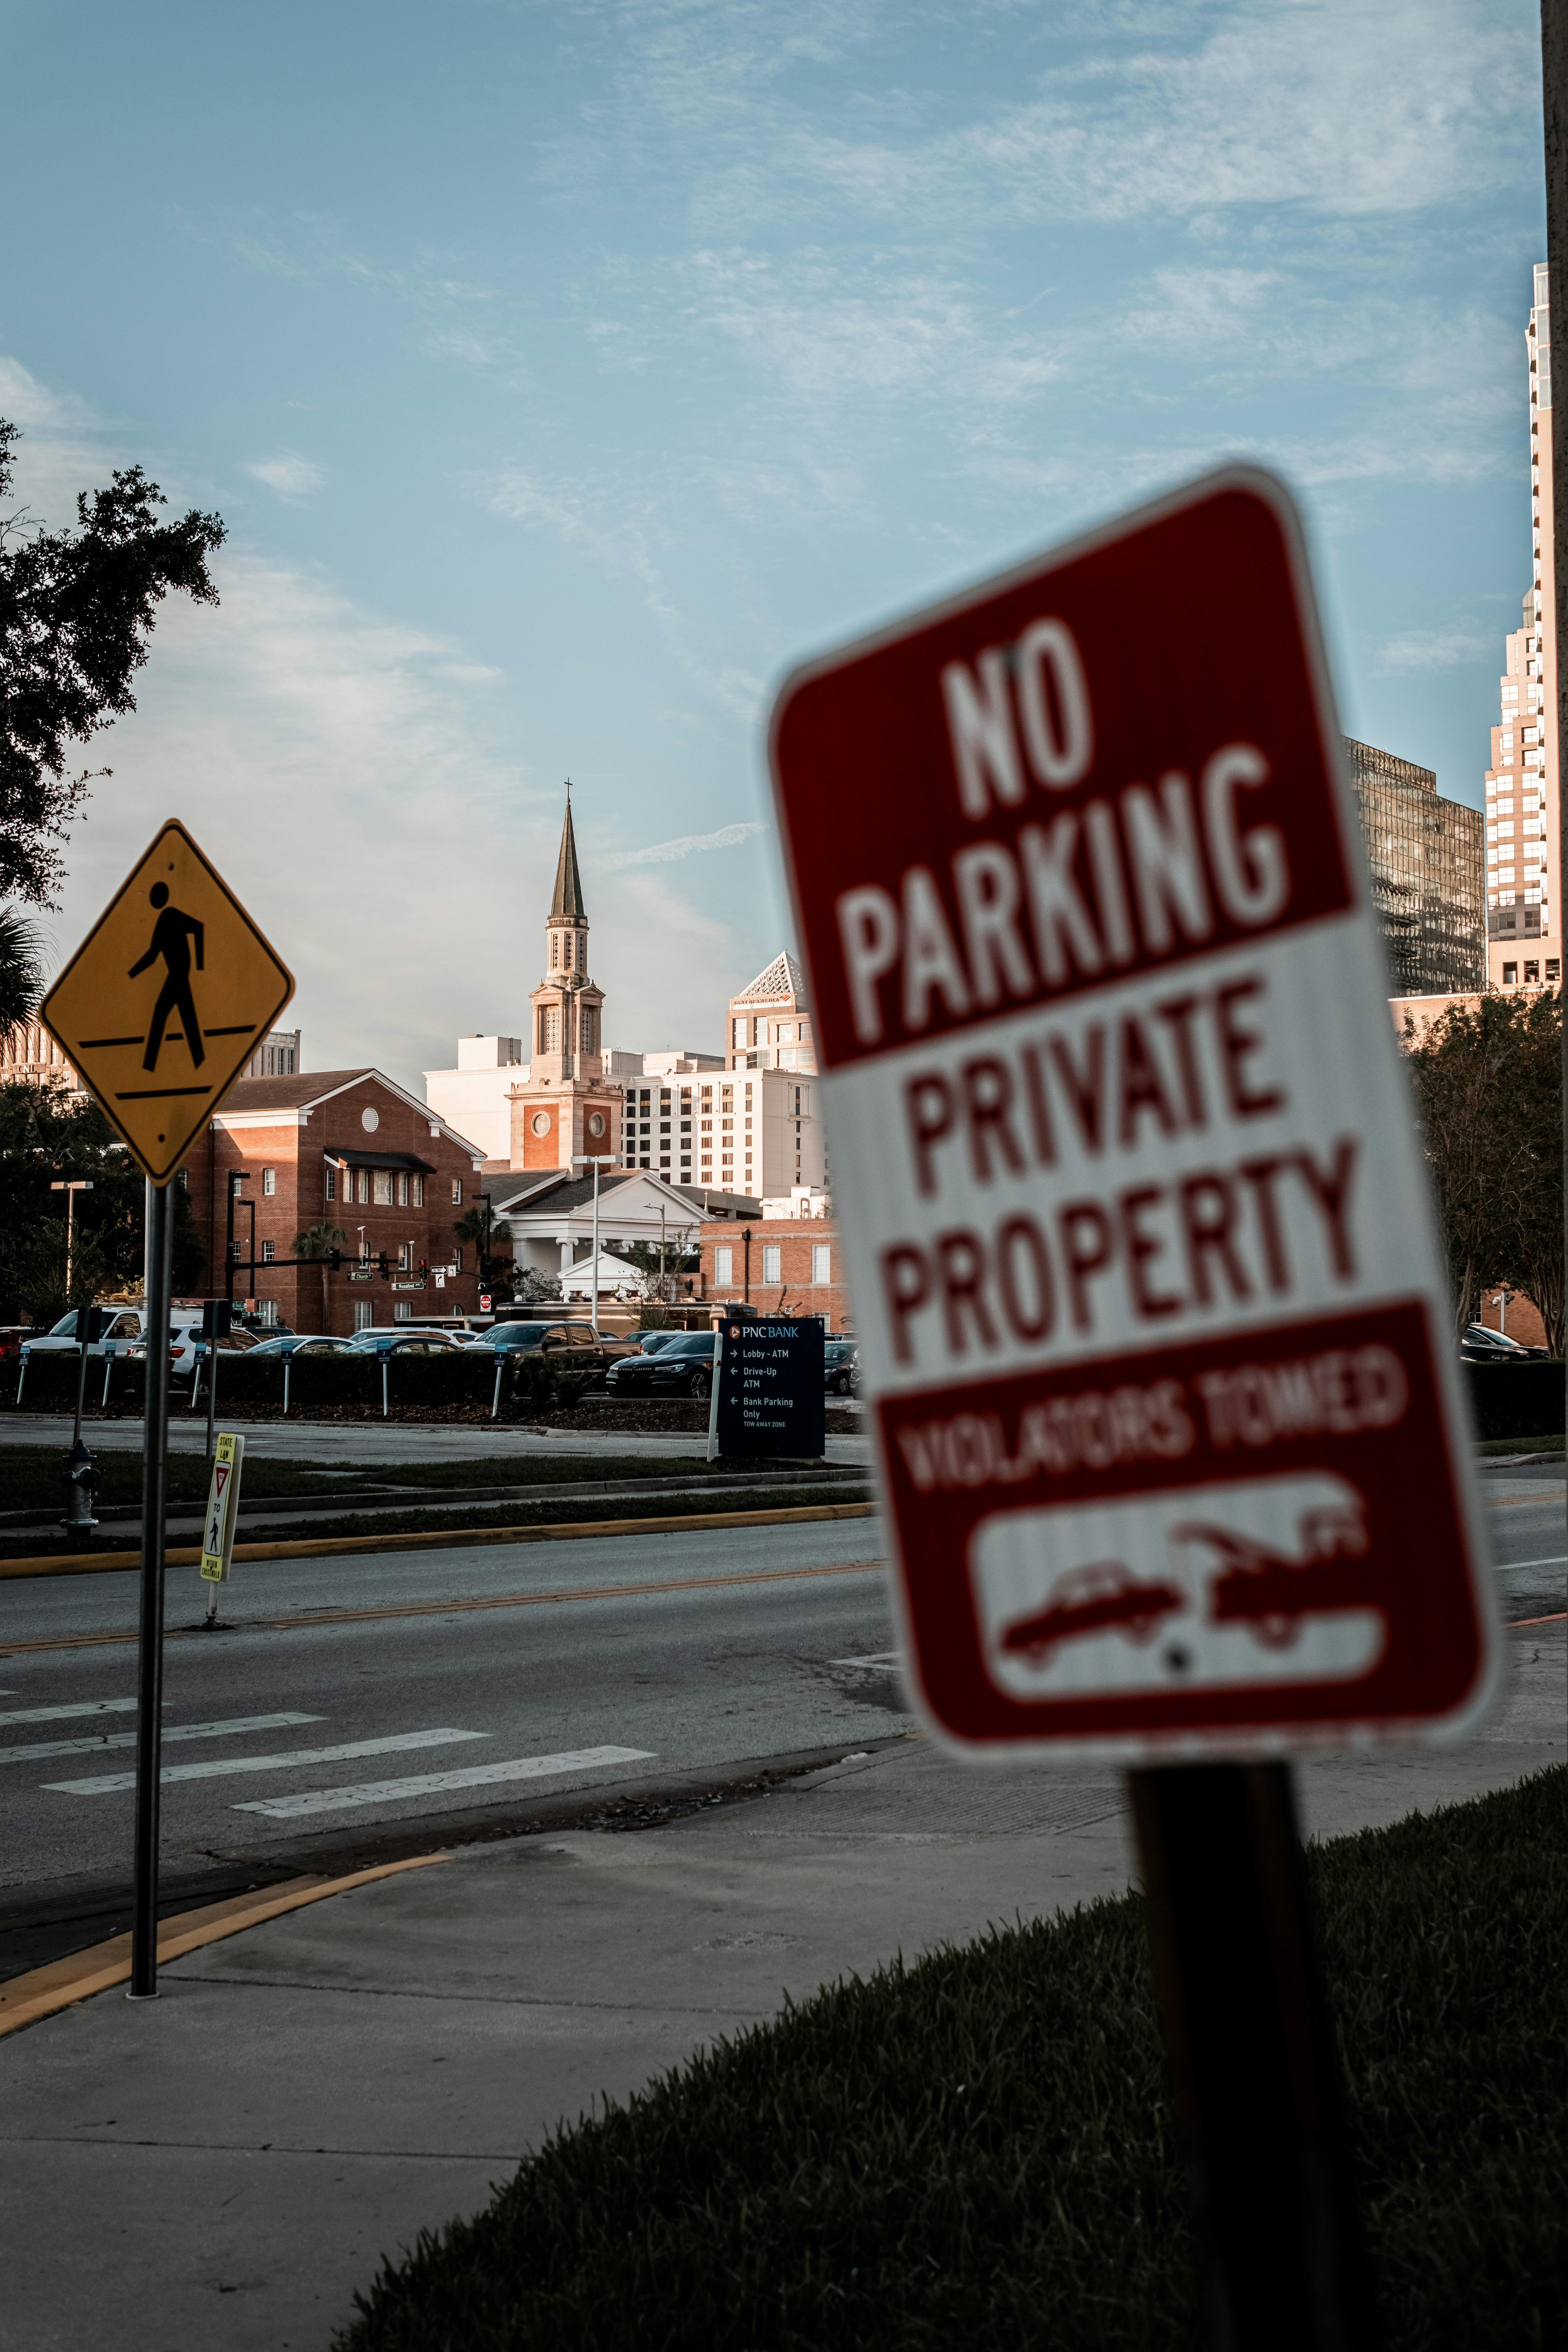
x=1272 y=1592
x=1250 y=1583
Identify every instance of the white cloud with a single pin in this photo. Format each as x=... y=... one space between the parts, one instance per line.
x=292 y=477
x=1441 y=648
x=665 y=853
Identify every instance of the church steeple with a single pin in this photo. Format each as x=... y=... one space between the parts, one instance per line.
x=567 y=1104
x=568 y=897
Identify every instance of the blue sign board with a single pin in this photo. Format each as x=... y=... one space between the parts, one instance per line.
x=768 y=1392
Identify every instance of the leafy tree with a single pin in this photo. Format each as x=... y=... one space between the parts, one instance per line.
x=320 y=1241
x=1488 y=1084
x=77 y=609
x=661 y=1265
x=47 y=1134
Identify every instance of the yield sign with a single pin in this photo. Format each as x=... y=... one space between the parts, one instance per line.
x=161 y=1005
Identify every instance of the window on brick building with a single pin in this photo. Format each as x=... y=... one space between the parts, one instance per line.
x=362 y=1312
x=772 y=1262
x=457 y=1192
x=419 y=1191
x=268 y=1253
x=821 y=1261
x=331 y=1182
x=725 y=1265
x=382 y=1193
x=456 y=1261
x=269 y=1179
x=402 y=1188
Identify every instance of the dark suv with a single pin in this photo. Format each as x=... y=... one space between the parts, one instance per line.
x=570 y=1346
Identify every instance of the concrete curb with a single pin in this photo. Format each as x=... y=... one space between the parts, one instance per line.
x=443 y=1539
x=26 y=1999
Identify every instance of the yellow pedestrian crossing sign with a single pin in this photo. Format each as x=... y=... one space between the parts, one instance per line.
x=166 y=1001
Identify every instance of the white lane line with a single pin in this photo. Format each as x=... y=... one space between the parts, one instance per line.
x=38 y=1749
x=1561 y=1561
x=885 y=1662
x=104 y=1784
x=424 y=1784
x=81 y=1707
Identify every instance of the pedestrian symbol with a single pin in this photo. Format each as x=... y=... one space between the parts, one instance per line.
x=166 y=1001
x=169 y=942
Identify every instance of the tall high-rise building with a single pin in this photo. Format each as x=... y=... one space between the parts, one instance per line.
x=1524 y=889
x=1429 y=873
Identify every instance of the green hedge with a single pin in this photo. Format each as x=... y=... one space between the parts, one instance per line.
x=1516 y=1400
x=331 y=1386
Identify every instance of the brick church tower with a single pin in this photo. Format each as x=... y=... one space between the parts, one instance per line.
x=568 y=1106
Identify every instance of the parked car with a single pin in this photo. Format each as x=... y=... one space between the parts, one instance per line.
x=190 y=1348
x=13 y=1337
x=124 y=1331
x=308 y=1343
x=841 y=1367
x=683 y=1368
x=1480 y=1346
x=394 y=1339
x=559 y=1338
x=648 y=1343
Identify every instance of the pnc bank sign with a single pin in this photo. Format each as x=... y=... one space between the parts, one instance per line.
x=1149 y=1306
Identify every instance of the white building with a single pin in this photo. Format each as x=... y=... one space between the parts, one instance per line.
x=476 y=1098
x=733 y=1130
x=549 y=1215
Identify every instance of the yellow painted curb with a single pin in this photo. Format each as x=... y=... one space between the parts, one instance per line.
x=42 y=1991
x=444 y=1539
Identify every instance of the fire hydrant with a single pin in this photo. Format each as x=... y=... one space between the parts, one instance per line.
x=81 y=1486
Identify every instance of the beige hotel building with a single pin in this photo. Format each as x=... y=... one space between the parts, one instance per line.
x=1524 y=888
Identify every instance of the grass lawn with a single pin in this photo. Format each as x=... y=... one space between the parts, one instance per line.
x=30 y=1474
x=1519 y=1445
x=977 y=2150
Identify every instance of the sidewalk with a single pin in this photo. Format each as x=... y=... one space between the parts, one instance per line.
x=227 y=2164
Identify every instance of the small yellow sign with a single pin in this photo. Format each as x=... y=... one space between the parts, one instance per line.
x=223 y=1506
x=166 y=999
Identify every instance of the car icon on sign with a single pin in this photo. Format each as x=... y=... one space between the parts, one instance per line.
x=1089 y=1600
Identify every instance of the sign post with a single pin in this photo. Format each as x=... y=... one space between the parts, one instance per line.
x=223 y=1510
x=158 y=1011
x=1155 y=1333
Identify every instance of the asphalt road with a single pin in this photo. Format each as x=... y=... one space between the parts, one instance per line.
x=393 y=1441
x=611 y=1660
x=426 y=1704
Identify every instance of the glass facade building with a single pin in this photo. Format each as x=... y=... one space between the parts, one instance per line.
x=1428 y=865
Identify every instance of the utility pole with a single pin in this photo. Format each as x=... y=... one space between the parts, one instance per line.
x=70 y=1187
x=1555 y=109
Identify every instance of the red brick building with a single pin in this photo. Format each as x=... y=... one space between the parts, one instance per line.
x=347 y=1148
x=778 y=1264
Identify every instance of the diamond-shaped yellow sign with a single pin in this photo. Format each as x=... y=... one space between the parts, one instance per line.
x=166 y=999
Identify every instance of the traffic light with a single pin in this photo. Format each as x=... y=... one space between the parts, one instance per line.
x=424 y=1268
x=382 y=1266
x=334 y=1259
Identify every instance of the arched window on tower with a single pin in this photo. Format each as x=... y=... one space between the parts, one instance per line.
x=554 y=947
x=549 y=1029
x=568 y=952
x=590 y=1029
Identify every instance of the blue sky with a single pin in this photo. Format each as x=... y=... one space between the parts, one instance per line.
x=565 y=372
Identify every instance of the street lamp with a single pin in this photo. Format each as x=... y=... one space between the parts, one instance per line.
x=595 y=1160
x=70 y=1187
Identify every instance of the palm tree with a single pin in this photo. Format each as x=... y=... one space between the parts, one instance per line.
x=21 y=967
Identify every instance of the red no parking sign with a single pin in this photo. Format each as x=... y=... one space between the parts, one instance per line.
x=1152 y=1316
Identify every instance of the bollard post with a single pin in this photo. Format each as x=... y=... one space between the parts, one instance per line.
x=501 y=1367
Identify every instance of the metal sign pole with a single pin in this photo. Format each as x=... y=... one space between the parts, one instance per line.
x=1254 y=2067
x=150 y=1650
x=1555 y=97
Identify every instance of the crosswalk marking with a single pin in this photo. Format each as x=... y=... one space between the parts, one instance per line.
x=79 y=1707
x=424 y=1784
x=38 y=1749
x=104 y=1784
